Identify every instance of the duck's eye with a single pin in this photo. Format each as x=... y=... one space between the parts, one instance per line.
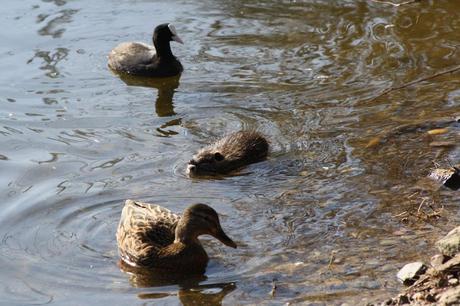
x=218 y=156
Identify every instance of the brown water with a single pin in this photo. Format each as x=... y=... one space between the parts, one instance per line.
x=329 y=217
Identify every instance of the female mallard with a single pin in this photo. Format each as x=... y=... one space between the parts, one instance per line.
x=151 y=236
x=153 y=61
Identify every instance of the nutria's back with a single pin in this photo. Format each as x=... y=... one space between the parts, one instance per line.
x=229 y=153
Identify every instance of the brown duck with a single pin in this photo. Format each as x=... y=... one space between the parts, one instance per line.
x=151 y=236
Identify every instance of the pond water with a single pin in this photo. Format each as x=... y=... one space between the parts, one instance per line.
x=329 y=218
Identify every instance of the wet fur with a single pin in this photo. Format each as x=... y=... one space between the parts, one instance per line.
x=238 y=149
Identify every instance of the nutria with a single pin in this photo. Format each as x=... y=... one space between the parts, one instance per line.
x=229 y=153
x=144 y=60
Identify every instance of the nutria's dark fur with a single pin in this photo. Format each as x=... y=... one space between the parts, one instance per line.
x=229 y=153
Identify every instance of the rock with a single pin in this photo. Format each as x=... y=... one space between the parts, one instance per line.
x=449 y=297
x=403 y=299
x=453 y=281
x=447 y=177
x=418 y=296
x=450 y=244
x=411 y=272
x=438 y=260
x=450 y=265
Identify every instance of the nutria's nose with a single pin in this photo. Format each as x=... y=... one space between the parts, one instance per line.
x=192 y=162
x=191 y=168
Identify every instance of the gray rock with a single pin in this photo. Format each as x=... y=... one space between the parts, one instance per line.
x=450 y=244
x=449 y=297
x=438 y=260
x=411 y=272
x=448 y=177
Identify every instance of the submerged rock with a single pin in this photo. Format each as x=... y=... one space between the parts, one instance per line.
x=411 y=272
x=450 y=244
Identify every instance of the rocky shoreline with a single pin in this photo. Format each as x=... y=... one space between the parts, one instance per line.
x=434 y=284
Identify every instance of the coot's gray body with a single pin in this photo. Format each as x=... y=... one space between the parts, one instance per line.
x=137 y=58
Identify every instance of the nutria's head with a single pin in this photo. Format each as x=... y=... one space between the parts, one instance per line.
x=229 y=153
x=207 y=162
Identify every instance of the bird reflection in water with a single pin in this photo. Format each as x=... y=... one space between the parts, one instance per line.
x=164 y=106
x=166 y=88
x=190 y=291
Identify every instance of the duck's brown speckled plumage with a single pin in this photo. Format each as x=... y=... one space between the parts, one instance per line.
x=147 y=237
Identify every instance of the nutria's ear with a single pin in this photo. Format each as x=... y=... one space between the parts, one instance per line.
x=218 y=156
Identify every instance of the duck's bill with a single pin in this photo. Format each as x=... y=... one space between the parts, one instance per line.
x=225 y=239
x=177 y=38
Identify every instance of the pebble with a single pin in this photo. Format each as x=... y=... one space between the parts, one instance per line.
x=403 y=299
x=453 y=281
x=437 y=260
x=418 y=297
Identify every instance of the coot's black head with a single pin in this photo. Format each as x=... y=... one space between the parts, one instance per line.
x=164 y=33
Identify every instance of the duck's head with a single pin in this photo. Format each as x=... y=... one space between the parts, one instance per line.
x=200 y=219
x=166 y=32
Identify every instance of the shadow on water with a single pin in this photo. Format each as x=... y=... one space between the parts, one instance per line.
x=190 y=291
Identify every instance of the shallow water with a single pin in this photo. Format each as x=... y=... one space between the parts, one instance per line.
x=328 y=218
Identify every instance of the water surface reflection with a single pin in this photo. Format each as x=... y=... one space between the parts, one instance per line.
x=166 y=88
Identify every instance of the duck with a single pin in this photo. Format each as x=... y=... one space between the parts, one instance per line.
x=151 y=237
x=140 y=59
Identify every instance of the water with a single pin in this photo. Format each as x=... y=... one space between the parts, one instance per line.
x=328 y=218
